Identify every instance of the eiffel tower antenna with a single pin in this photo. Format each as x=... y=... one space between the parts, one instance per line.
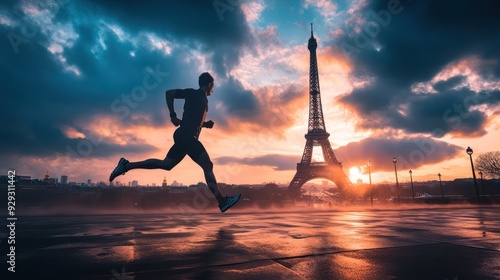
x=330 y=168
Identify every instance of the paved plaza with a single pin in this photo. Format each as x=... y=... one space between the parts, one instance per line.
x=398 y=243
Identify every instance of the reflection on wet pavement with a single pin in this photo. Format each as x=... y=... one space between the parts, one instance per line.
x=361 y=244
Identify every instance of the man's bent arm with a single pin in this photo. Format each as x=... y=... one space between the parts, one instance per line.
x=169 y=96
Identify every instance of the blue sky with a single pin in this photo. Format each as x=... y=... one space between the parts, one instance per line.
x=84 y=84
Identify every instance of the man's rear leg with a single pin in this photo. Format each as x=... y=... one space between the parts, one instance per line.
x=124 y=165
x=152 y=163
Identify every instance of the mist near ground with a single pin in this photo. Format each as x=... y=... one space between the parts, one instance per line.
x=237 y=209
x=198 y=200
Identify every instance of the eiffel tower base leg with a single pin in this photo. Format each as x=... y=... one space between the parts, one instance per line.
x=306 y=173
x=295 y=185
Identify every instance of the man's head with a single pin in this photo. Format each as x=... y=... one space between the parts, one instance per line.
x=206 y=82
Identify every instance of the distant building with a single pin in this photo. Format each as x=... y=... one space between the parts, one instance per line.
x=178 y=189
x=49 y=181
x=164 y=184
x=135 y=183
x=23 y=180
x=64 y=179
x=89 y=182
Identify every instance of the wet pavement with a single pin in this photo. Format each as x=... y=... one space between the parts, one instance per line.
x=419 y=243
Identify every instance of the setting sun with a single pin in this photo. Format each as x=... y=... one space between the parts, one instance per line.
x=354 y=173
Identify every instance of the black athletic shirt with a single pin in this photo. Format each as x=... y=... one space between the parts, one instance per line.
x=195 y=110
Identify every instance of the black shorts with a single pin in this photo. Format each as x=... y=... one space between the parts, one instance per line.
x=185 y=144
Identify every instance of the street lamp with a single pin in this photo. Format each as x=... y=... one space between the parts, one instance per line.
x=394 y=160
x=469 y=152
x=411 y=182
x=371 y=187
x=482 y=183
x=440 y=185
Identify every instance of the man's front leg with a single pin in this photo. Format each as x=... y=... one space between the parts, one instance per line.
x=206 y=164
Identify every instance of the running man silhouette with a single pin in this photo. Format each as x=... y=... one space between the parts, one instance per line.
x=186 y=138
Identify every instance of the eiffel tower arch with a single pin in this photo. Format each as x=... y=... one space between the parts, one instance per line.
x=317 y=136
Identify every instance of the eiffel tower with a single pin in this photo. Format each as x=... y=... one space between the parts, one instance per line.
x=330 y=168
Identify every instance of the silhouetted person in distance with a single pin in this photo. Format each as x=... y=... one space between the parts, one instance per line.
x=186 y=138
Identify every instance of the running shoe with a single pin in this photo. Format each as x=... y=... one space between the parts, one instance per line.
x=228 y=202
x=119 y=169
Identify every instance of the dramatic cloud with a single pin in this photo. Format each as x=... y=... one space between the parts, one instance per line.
x=269 y=110
x=193 y=21
x=410 y=153
x=237 y=101
x=425 y=35
x=277 y=162
x=448 y=111
x=399 y=44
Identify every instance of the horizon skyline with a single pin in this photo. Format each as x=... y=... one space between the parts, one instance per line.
x=415 y=81
x=313 y=182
